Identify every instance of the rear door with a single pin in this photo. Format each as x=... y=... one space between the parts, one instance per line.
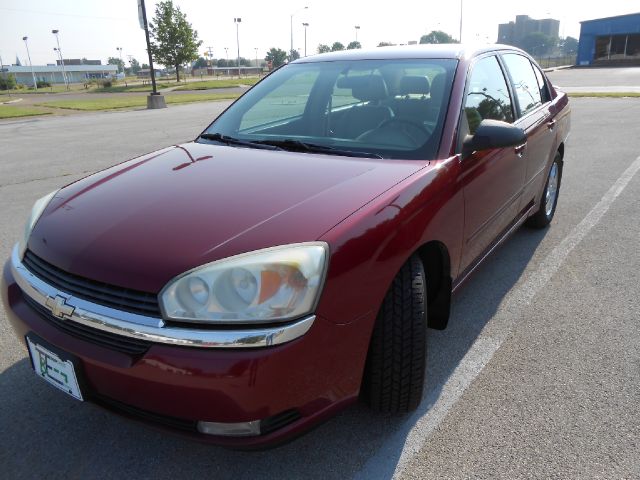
x=492 y=179
x=533 y=106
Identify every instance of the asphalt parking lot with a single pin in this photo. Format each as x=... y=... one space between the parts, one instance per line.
x=537 y=376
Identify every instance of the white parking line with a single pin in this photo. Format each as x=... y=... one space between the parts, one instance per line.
x=396 y=452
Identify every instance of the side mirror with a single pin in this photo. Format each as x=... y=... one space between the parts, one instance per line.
x=493 y=134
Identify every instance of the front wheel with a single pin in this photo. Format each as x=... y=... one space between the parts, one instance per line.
x=549 y=200
x=394 y=373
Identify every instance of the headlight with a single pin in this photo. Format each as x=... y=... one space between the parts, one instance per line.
x=36 y=211
x=274 y=284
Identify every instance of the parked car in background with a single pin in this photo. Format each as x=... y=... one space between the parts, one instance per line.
x=249 y=284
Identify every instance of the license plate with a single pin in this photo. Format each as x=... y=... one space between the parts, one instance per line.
x=53 y=369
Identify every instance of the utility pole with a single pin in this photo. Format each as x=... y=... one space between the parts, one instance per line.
x=210 y=50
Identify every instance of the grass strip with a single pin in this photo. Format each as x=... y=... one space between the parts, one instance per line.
x=212 y=84
x=131 y=88
x=133 y=102
x=8 y=111
x=604 y=94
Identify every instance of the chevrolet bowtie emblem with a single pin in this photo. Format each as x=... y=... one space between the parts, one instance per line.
x=58 y=306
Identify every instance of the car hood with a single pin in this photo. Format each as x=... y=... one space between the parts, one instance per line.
x=143 y=222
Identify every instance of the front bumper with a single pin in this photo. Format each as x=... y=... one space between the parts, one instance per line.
x=292 y=385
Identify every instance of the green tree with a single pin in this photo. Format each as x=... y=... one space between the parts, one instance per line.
x=386 y=44
x=322 y=48
x=537 y=43
x=337 y=46
x=116 y=61
x=437 y=36
x=354 y=45
x=276 y=56
x=201 y=62
x=174 y=41
x=7 y=82
x=569 y=46
x=134 y=66
x=294 y=55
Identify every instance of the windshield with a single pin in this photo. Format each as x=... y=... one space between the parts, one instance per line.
x=380 y=108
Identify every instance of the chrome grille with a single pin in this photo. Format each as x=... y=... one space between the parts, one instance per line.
x=130 y=346
x=125 y=299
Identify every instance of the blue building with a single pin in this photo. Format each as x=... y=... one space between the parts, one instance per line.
x=610 y=40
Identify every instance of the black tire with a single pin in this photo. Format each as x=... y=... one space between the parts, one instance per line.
x=394 y=373
x=542 y=218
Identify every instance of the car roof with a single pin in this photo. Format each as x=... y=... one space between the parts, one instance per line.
x=444 y=50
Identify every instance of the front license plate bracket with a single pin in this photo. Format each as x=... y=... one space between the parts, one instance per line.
x=55 y=366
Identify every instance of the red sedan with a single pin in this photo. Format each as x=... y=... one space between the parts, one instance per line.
x=249 y=284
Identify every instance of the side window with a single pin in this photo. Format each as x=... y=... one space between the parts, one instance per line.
x=524 y=81
x=544 y=90
x=487 y=95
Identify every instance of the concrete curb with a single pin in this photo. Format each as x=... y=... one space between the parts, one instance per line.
x=11 y=101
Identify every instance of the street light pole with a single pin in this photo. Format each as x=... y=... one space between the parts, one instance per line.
x=237 y=22
x=305 y=25
x=357 y=28
x=256 y=49
x=60 y=60
x=64 y=72
x=292 y=15
x=155 y=99
x=121 y=63
x=33 y=75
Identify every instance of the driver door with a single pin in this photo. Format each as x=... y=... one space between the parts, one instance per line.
x=492 y=179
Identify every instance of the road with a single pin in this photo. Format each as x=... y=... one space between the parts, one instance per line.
x=538 y=374
x=580 y=80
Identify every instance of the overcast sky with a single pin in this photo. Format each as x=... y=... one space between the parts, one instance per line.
x=94 y=28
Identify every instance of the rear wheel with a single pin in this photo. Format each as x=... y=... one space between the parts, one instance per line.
x=549 y=200
x=394 y=374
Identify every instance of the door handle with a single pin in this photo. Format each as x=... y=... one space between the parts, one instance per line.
x=520 y=149
x=551 y=125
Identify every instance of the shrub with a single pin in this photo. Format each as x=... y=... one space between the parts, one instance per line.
x=7 y=82
x=108 y=83
x=42 y=84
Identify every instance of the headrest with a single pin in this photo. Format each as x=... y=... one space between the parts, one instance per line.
x=365 y=88
x=414 y=84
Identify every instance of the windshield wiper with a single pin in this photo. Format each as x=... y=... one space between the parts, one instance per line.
x=298 y=146
x=218 y=137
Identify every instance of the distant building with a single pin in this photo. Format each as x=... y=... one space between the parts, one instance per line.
x=146 y=72
x=53 y=73
x=218 y=71
x=610 y=40
x=512 y=33
x=79 y=61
